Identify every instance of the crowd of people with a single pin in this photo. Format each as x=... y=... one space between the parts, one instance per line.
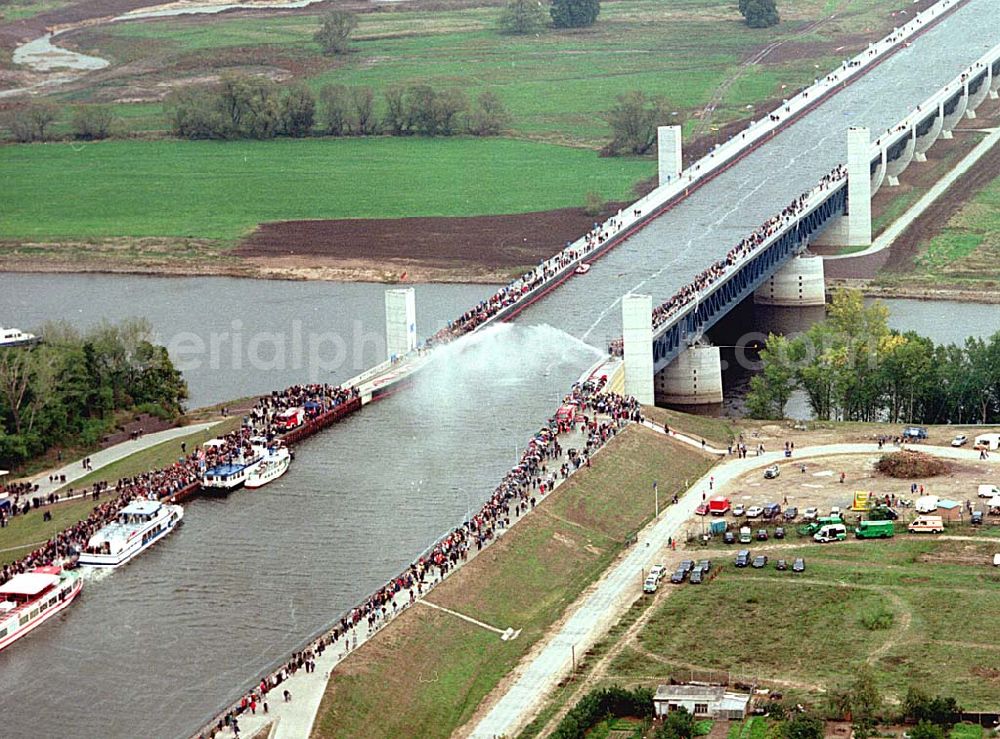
x=162 y=483
x=599 y=416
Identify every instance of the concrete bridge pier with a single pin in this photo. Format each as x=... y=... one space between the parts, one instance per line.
x=801 y=282
x=668 y=148
x=977 y=97
x=896 y=167
x=994 y=72
x=637 y=345
x=878 y=173
x=931 y=134
x=694 y=378
x=400 y=321
x=855 y=227
x=951 y=119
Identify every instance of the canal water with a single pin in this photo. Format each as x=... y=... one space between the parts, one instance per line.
x=155 y=648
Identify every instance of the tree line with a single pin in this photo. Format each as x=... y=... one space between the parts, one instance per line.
x=257 y=108
x=67 y=389
x=853 y=367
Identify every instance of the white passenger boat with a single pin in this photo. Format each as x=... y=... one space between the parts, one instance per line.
x=233 y=474
x=32 y=598
x=582 y=269
x=15 y=337
x=139 y=525
x=275 y=464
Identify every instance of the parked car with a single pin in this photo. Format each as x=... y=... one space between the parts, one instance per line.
x=835 y=511
x=739 y=510
x=790 y=513
x=657 y=571
x=771 y=511
x=810 y=514
x=696 y=577
x=887 y=513
x=914 y=433
x=678 y=577
x=701 y=510
x=977 y=518
x=799 y=565
x=782 y=565
x=960 y=440
x=743 y=558
x=754 y=511
x=687 y=565
x=779 y=533
x=704 y=565
x=650 y=585
x=759 y=562
x=772 y=472
x=729 y=537
x=761 y=535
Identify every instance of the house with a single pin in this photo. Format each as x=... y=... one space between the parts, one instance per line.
x=949 y=510
x=708 y=701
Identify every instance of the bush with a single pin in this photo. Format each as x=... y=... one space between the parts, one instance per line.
x=574 y=13
x=92 y=122
x=335 y=30
x=599 y=704
x=520 y=17
x=298 y=111
x=593 y=203
x=908 y=465
x=760 y=13
x=633 y=122
x=878 y=619
x=335 y=109
x=679 y=724
x=804 y=726
x=489 y=117
x=920 y=706
x=31 y=122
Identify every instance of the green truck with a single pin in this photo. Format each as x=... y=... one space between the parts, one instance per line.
x=811 y=528
x=874 y=530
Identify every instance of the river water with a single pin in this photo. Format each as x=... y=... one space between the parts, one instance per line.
x=155 y=649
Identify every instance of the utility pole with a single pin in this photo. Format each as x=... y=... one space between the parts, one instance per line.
x=656 y=497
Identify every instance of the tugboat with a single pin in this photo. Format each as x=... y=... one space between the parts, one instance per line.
x=32 y=598
x=225 y=477
x=275 y=464
x=140 y=524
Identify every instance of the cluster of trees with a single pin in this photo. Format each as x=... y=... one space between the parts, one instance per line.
x=34 y=122
x=599 y=704
x=634 y=120
x=529 y=17
x=853 y=367
x=67 y=389
x=251 y=107
x=760 y=13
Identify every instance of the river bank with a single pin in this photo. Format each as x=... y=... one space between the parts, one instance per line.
x=987 y=295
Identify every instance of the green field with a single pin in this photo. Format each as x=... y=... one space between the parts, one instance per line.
x=808 y=633
x=434 y=669
x=221 y=190
x=556 y=84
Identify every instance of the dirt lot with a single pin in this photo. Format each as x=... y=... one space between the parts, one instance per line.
x=487 y=248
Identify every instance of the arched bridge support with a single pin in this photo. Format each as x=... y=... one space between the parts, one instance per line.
x=855 y=227
x=928 y=133
x=957 y=105
x=694 y=378
x=637 y=345
x=979 y=89
x=801 y=282
x=900 y=156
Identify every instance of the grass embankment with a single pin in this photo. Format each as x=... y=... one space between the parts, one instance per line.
x=717 y=432
x=902 y=605
x=220 y=190
x=432 y=668
x=556 y=84
x=23 y=533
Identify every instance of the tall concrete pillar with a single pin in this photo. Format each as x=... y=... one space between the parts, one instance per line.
x=854 y=228
x=694 y=378
x=637 y=343
x=801 y=282
x=994 y=82
x=400 y=321
x=668 y=146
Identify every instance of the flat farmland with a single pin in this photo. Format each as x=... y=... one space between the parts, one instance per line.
x=221 y=190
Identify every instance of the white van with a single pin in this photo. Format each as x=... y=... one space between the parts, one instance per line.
x=926 y=504
x=927 y=525
x=987 y=441
x=988 y=491
x=831 y=532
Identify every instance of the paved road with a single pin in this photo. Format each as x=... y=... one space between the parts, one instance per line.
x=74 y=470
x=602 y=607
